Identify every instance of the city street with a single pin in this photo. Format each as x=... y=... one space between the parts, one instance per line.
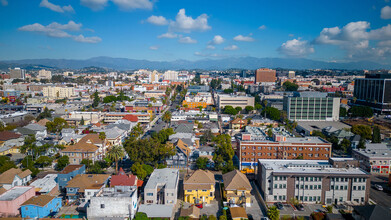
x=380 y=197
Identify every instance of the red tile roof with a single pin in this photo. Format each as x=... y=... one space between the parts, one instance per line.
x=122 y=179
x=8 y=135
x=131 y=118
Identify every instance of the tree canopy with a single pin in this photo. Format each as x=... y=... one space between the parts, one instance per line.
x=223 y=153
x=361 y=111
x=290 y=86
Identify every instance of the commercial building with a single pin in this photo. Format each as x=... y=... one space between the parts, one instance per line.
x=255 y=144
x=374 y=91
x=312 y=181
x=375 y=158
x=170 y=75
x=162 y=187
x=40 y=206
x=17 y=73
x=11 y=200
x=265 y=75
x=312 y=107
x=58 y=92
x=44 y=74
x=115 y=202
x=234 y=101
x=202 y=99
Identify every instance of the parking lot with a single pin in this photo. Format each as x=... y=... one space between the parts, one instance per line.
x=308 y=209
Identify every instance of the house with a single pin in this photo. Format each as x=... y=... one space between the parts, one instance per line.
x=161 y=211
x=193 y=212
x=181 y=157
x=162 y=187
x=199 y=187
x=238 y=124
x=15 y=177
x=86 y=186
x=40 y=206
x=11 y=200
x=115 y=202
x=68 y=173
x=35 y=129
x=371 y=212
x=80 y=151
x=238 y=213
x=237 y=188
x=46 y=185
x=10 y=142
x=123 y=179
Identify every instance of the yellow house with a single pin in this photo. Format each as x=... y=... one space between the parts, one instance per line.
x=200 y=187
x=237 y=188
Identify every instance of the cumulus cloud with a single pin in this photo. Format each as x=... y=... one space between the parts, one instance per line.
x=157 y=20
x=187 y=40
x=385 y=12
x=211 y=47
x=262 y=27
x=231 y=47
x=133 y=4
x=154 y=47
x=58 y=30
x=4 y=2
x=296 y=48
x=56 y=8
x=169 y=35
x=217 y=40
x=244 y=38
x=95 y=5
x=187 y=24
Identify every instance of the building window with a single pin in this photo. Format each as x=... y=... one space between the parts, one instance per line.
x=102 y=206
x=151 y=194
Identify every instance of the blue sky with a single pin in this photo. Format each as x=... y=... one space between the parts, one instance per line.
x=332 y=30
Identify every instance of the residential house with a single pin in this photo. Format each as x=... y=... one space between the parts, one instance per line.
x=46 y=185
x=10 y=142
x=238 y=213
x=115 y=202
x=86 y=186
x=80 y=151
x=199 y=187
x=123 y=179
x=181 y=157
x=238 y=124
x=68 y=173
x=193 y=212
x=68 y=136
x=162 y=187
x=15 y=177
x=11 y=200
x=237 y=188
x=35 y=129
x=40 y=206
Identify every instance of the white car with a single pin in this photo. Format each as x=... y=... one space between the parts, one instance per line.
x=378 y=187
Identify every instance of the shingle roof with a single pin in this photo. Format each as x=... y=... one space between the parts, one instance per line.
x=40 y=200
x=88 y=181
x=8 y=176
x=43 y=122
x=71 y=168
x=238 y=212
x=193 y=211
x=200 y=179
x=122 y=179
x=92 y=139
x=235 y=180
x=8 y=135
x=183 y=146
x=81 y=147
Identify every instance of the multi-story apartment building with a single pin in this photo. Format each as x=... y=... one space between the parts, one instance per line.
x=58 y=92
x=374 y=91
x=375 y=158
x=199 y=187
x=202 y=99
x=255 y=144
x=115 y=116
x=312 y=181
x=265 y=75
x=44 y=74
x=312 y=107
x=144 y=105
x=234 y=101
x=17 y=73
x=170 y=75
x=162 y=187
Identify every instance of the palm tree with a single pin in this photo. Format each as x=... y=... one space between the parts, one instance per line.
x=115 y=154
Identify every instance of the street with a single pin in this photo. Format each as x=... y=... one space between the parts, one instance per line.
x=380 y=197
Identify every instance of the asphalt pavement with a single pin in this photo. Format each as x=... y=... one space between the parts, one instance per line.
x=380 y=197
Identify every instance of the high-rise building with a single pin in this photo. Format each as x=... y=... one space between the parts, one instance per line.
x=17 y=73
x=374 y=91
x=171 y=75
x=154 y=77
x=44 y=74
x=291 y=74
x=312 y=107
x=265 y=75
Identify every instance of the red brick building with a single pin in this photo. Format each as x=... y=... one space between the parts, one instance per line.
x=265 y=75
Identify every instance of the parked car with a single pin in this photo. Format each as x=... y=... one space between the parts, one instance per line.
x=279 y=205
x=300 y=207
x=378 y=187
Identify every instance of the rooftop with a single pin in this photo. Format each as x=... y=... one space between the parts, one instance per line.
x=157 y=210
x=168 y=177
x=45 y=184
x=71 y=168
x=40 y=200
x=14 y=193
x=375 y=150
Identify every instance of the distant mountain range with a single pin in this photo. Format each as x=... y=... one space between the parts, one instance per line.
x=207 y=64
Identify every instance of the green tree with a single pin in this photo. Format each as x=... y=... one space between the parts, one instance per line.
x=102 y=135
x=272 y=113
x=361 y=144
x=138 y=170
x=6 y=164
x=249 y=108
x=45 y=114
x=82 y=121
x=167 y=117
x=238 y=109
x=96 y=99
x=116 y=153
x=230 y=110
x=228 y=91
x=62 y=162
x=363 y=130
x=202 y=162
x=223 y=153
x=290 y=86
x=109 y=99
x=43 y=161
x=141 y=216
x=56 y=125
x=345 y=145
x=212 y=217
x=376 y=138
x=273 y=213
x=343 y=112
x=361 y=111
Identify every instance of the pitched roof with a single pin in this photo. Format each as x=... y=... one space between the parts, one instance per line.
x=91 y=139
x=40 y=200
x=71 y=168
x=122 y=179
x=88 y=181
x=43 y=122
x=8 y=176
x=238 y=212
x=8 y=135
x=200 y=179
x=132 y=118
x=238 y=121
x=183 y=146
x=235 y=180
x=2 y=190
x=193 y=212
x=81 y=147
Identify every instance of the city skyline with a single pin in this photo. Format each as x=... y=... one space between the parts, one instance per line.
x=164 y=31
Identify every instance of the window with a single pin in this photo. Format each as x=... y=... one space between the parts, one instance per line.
x=151 y=194
x=354 y=187
x=102 y=206
x=297 y=186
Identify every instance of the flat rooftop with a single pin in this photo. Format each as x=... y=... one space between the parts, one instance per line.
x=14 y=193
x=156 y=210
x=166 y=176
x=319 y=125
x=375 y=151
x=308 y=167
x=45 y=184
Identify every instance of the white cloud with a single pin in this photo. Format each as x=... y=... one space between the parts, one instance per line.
x=211 y=47
x=157 y=20
x=385 y=12
x=296 y=48
x=56 y=8
x=244 y=38
x=231 y=47
x=95 y=5
x=4 y=2
x=187 y=24
x=262 y=27
x=187 y=40
x=133 y=4
x=154 y=47
x=57 y=30
x=169 y=35
x=207 y=54
x=217 y=40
